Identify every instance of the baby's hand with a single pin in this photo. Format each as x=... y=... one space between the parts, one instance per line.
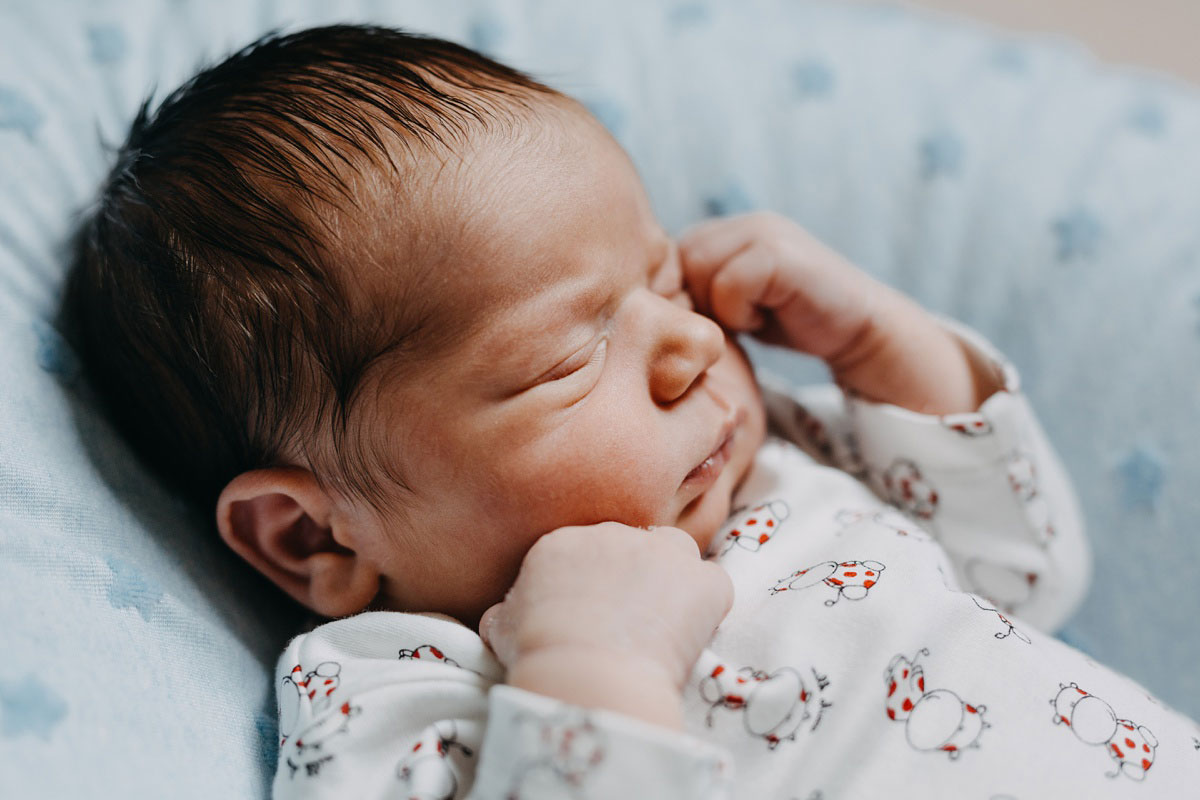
x=761 y=273
x=609 y=616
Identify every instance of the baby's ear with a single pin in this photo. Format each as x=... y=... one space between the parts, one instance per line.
x=282 y=522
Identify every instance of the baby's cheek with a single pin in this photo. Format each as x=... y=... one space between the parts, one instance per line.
x=614 y=471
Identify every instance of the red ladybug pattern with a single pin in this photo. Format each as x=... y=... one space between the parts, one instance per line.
x=1093 y=721
x=1010 y=629
x=857 y=521
x=970 y=425
x=568 y=746
x=936 y=720
x=427 y=772
x=933 y=718
x=428 y=652
x=774 y=707
x=1023 y=479
x=754 y=528
x=908 y=490
x=849 y=579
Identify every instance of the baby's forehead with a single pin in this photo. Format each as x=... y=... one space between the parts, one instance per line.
x=474 y=235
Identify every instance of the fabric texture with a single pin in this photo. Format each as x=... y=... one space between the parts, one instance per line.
x=1009 y=182
x=870 y=645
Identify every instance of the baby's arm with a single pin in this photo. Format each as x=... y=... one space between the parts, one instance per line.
x=609 y=616
x=925 y=410
x=438 y=721
x=762 y=274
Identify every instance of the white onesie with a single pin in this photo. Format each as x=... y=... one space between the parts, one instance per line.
x=874 y=648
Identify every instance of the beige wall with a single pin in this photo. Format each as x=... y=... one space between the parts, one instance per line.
x=1163 y=34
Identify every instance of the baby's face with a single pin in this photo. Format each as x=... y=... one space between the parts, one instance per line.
x=590 y=392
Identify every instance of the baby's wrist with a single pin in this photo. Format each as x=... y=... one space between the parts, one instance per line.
x=911 y=360
x=594 y=676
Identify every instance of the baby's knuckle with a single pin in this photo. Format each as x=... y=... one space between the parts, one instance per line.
x=677 y=537
x=765 y=221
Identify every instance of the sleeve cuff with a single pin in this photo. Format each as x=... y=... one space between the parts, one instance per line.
x=997 y=428
x=539 y=747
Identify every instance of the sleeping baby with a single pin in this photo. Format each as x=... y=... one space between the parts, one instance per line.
x=405 y=318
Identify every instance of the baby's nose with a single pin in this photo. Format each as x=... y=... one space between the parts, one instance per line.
x=688 y=344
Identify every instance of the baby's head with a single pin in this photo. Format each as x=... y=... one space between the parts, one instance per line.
x=397 y=311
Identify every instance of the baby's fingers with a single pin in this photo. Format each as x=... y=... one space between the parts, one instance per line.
x=746 y=285
x=495 y=628
x=704 y=249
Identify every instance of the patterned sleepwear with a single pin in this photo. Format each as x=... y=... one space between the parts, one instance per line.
x=894 y=574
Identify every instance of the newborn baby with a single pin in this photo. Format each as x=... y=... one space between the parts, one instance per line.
x=406 y=318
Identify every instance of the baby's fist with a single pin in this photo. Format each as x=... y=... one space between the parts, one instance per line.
x=613 y=592
x=761 y=273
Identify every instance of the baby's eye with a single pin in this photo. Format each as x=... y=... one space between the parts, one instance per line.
x=576 y=363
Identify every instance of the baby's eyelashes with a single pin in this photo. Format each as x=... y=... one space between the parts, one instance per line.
x=577 y=362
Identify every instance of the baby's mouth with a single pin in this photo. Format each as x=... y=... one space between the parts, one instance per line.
x=707 y=471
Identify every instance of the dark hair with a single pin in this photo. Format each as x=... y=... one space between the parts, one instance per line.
x=204 y=295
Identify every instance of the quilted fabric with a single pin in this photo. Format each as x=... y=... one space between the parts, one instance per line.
x=1010 y=182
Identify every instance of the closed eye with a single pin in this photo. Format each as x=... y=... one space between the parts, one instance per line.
x=577 y=363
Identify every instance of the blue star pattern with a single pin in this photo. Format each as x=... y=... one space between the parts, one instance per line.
x=106 y=43
x=942 y=153
x=1141 y=475
x=732 y=200
x=54 y=355
x=130 y=590
x=687 y=14
x=18 y=113
x=1149 y=118
x=812 y=79
x=30 y=706
x=1079 y=233
x=1010 y=58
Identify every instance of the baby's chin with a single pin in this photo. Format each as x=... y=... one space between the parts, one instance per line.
x=705 y=516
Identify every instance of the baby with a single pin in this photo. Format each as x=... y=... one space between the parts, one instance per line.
x=405 y=317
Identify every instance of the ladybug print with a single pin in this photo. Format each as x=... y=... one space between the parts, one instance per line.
x=1023 y=479
x=935 y=720
x=317 y=686
x=754 y=528
x=773 y=706
x=427 y=652
x=568 y=747
x=426 y=772
x=906 y=489
x=1093 y=721
x=849 y=579
x=1011 y=629
x=970 y=425
x=309 y=748
x=851 y=521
